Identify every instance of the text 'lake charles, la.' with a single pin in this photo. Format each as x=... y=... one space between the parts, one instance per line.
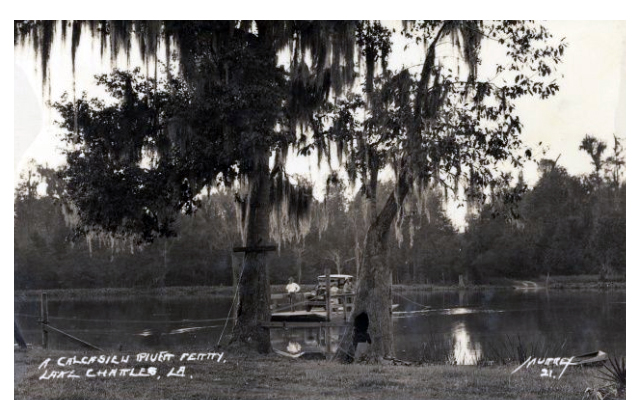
x=115 y=366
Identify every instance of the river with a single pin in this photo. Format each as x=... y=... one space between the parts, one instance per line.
x=461 y=327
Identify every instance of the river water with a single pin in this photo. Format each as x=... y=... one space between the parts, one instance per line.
x=460 y=327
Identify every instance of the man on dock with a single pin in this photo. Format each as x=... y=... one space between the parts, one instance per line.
x=292 y=289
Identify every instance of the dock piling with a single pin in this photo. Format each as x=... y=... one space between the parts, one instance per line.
x=44 y=317
x=327 y=294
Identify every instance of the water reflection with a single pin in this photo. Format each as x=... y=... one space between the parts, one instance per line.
x=463 y=311
x=294 y=347
x=567 y=322
x=471 y=322
x=465 y=351
x=306 y=340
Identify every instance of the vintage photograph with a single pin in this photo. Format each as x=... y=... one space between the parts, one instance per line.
x=319 y=209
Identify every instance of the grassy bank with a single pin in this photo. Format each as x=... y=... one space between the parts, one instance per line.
x=276 y=377
x=582 y=281
x=196 y=292
x=590 y=281
x=175 y=292
x=444 y=288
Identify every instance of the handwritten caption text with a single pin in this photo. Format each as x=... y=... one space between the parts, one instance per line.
x=147 y=365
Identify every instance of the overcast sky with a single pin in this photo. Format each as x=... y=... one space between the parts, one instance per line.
x=591 y=98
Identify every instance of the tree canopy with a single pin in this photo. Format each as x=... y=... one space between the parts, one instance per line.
x=234 y=106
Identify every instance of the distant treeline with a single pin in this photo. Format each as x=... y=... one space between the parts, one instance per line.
x=563 y=225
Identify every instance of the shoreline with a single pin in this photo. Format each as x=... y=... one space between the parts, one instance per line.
x=208 y=292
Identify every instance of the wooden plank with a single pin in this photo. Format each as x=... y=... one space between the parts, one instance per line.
x=344 y=308
x=71 y=337
x=327 y=340
x=293 y=324
x=327 y=292
x=44 y=318
x=319 y=314
x=265 y=248
x=346 y=294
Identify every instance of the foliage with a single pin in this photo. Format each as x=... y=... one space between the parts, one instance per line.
x=518 y=350
x=616 y=372
x=436 y=126
x=561 y=225
x=239 y=106
x=427 y=126
x=438 y=350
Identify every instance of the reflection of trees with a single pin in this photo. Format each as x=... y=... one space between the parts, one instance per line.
x=547 y=323
x=584 y=321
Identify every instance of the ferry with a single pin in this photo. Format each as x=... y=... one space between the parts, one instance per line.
x=312 y=306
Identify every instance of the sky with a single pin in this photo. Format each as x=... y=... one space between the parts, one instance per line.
x=591 y=100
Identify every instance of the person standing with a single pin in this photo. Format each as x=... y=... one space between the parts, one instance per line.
x=292 y=289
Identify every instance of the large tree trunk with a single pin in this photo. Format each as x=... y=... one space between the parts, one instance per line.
x=373 y=290
x=253 y=287
x=356 y=248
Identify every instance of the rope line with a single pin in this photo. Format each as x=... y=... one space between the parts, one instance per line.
x=412 y=301
x=123 y=321
x=233 y=301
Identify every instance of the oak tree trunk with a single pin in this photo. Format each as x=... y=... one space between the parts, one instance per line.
x=253 y=286
x=373 y=289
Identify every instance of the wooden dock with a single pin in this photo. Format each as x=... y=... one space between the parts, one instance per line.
x=310 y=319
x=300 y=316
x=303 y=324
x=327 y=310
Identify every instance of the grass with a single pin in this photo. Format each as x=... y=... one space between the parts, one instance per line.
x=441 y=350
x=274 y=377
x=437 y=350
x=512 y=350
